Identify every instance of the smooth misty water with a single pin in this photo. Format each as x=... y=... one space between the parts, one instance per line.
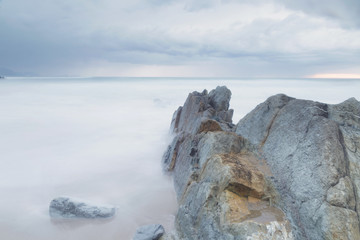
x=101 y=139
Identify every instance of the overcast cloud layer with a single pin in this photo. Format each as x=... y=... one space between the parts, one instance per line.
x=209 y=38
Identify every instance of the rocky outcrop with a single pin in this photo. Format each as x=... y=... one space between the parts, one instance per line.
x=149 y=232
x=223 y=185
x=204 y=112
x=290 y=169
x=311 y=149
x=64 y=207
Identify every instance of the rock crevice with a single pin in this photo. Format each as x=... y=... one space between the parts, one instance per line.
x=290 y=169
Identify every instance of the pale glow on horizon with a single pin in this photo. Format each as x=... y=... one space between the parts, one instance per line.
x=335 y=75
x=108 y=69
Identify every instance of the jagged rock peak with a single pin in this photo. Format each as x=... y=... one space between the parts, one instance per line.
x=223 y=187
x=220 y=98
x=290 y=169
x=204 y=112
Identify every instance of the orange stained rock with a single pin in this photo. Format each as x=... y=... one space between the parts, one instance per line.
x=247 y=179
x=209 y=126
x=237 y=210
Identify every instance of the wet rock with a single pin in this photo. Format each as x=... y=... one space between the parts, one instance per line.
x=149 y=232
x=64 y=207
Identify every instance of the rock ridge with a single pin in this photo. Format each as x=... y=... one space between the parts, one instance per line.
x=223 y=186
x=290 y=169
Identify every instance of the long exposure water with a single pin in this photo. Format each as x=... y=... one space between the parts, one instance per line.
x=101 y=139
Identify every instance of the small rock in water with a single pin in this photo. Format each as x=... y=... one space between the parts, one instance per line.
x=64 y=207
x=149 y=232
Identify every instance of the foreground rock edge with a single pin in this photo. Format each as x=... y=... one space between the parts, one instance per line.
x=66 y=207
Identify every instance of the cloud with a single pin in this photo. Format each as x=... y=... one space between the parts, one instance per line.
x=345 y=11
x=197 y=5
x=223 y=37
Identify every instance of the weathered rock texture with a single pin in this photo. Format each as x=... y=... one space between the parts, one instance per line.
x=64 y=207
x=290 y=169
x=149 y=232
x=223 y=186
x=312 y=149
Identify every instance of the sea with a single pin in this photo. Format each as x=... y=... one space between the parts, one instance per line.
x=102 y=140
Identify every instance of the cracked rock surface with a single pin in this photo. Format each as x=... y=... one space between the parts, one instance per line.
x=311 y=149
x=290 y=169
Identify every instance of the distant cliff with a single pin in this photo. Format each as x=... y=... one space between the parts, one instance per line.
x=290 y=169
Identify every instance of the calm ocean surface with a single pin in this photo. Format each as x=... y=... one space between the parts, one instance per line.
x=101 y=139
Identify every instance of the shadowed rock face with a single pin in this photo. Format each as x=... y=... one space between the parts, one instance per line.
x=291 y=156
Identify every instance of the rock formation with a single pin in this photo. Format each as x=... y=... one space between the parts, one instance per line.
x=64 y=207
x=149 y=232
x=288 y=170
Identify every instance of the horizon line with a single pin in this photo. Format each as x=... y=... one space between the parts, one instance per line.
x=316 y=76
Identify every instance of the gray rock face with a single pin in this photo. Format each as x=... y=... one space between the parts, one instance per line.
x=149 y=232
x=201 y=113
x=220 y=98
x=64 y=207
x=204 y=112
x=290 y=169
x=223 y=188
x=342 y=194
x=263 y=115
x=311 y=149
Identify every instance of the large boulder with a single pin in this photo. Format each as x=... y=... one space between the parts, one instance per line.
x=223 y=186
x=65 y=207
x=312 y=151
x=290 y=169
x=231 y=199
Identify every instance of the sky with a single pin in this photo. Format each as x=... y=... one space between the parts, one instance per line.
x=173 y=38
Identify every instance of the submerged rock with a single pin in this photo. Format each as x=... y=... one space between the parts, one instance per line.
x=64 y=207
x=290 y=169
x=149 y=232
